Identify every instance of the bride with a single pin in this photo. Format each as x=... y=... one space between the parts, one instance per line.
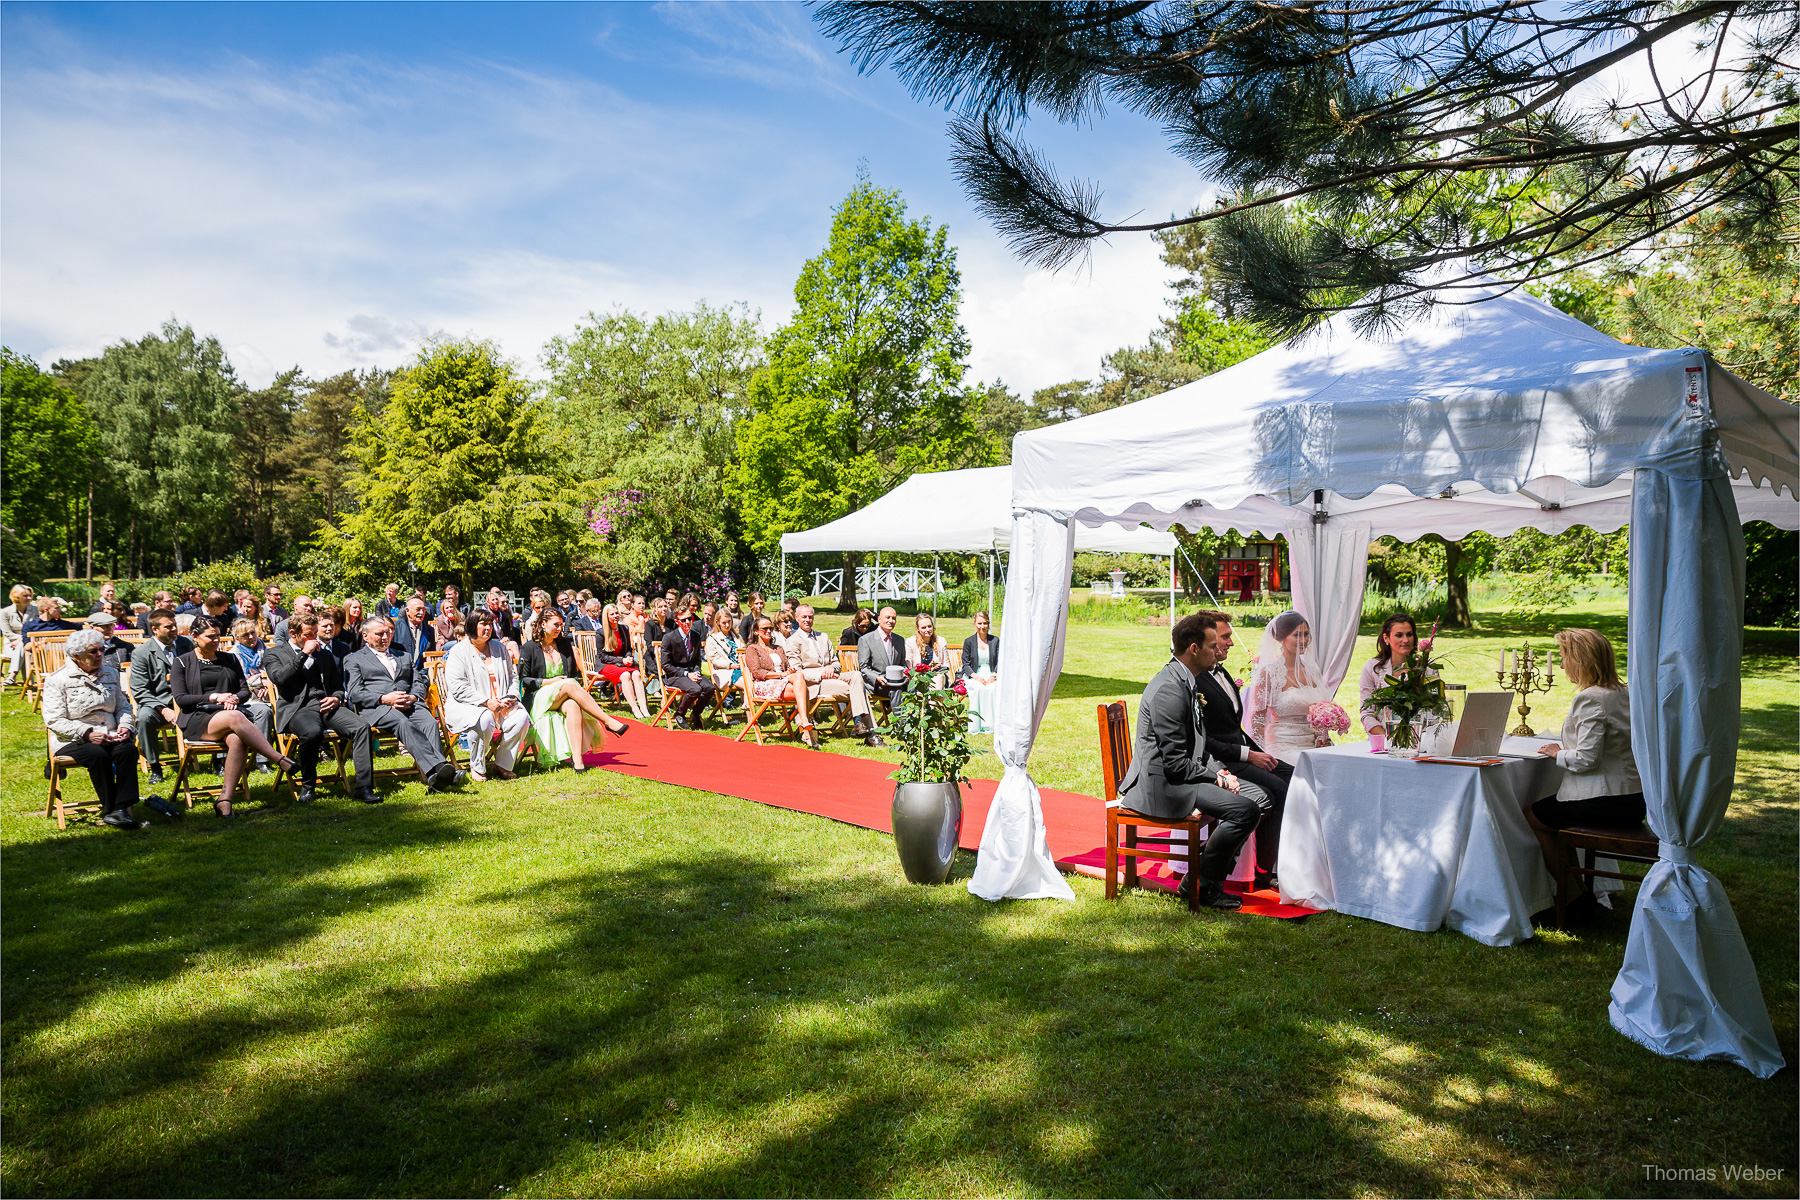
x=1285 y=685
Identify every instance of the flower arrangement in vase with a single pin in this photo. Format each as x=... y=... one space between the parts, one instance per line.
x=930 y=727
x=1417 y=690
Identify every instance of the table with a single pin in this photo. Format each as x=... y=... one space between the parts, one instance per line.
x=1419 y=845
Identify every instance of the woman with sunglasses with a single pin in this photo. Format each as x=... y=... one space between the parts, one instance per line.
x=776 y=676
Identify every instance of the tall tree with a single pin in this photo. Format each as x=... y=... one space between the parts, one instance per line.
x=167 y=411
x=1379 y=114
x=49 y=446
x=648 y=406
x=264 y=457
x=319 y=458
x=457 y=475
x=863 y=386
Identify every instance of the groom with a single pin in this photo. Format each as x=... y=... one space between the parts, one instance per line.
x=1227 y=742
x=1171 y=775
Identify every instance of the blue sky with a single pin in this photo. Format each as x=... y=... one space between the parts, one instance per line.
x=326 y=184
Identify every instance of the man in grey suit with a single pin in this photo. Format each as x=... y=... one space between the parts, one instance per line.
x=385 y=690
x=877 y=652
x=1171 y=776
x=152 y=662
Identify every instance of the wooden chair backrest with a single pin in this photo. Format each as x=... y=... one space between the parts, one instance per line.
x=49 y=652
x=134 y=636
x=587 y=650
x=847 y=660
x=955 y=660
x=434 y=687
x=1115 y=745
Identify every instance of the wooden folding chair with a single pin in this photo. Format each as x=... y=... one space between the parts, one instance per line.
x=1115 y=760
x=587 y=657
x=1627 y=845
x=56 y=767
x=44 y=656
x=187 y=756
x=670 y=696
x=754 y=708
x=435 y=692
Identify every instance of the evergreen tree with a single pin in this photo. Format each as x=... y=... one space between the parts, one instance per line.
x=49 y=445
x=863 y=387
x=264 y=458
x=456 y=476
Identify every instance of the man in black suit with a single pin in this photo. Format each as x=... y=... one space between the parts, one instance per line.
x=682 y=654
x=390 y=696
x=1227 y=742
x=592 y=619
x=877 y=653
x=1171 y=775
x=414 y=635
x=152 y=664
x=306 y=676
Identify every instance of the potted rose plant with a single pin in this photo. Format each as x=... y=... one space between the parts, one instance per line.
x=929 y=726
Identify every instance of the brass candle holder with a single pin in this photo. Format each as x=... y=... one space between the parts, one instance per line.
x=1521 y=674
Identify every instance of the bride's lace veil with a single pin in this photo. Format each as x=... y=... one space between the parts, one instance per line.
x=1272 y=660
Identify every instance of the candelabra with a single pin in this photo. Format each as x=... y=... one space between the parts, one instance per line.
x=1520 y=673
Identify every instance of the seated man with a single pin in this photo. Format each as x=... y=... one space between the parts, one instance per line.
x=1226 y=741
x=152 y=666
x=303 y=606
x=49 y=619
x=104 y=601
x=414 y=635
x=390 y=696
x=881 y=658
x=682 y=656
x=592 y=619
x=310 y=684
x=813 y=650
x=272 y=604
x=162 y=602
x=1172 y=778
x=218 y=608
x=190 y=602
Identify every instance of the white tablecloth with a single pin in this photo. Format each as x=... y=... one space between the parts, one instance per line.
x=1419 y=845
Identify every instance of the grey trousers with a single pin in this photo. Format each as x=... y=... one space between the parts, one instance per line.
x=417 y=731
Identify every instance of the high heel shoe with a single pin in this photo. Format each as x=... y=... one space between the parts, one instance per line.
x=223 y=809
x=621 y=731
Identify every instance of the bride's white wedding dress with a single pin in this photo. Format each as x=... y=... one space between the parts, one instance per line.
x=1277 y=710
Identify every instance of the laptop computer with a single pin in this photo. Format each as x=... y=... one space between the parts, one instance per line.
x=1482 y=726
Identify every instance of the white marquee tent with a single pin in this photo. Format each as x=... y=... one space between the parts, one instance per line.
x=1492 y=412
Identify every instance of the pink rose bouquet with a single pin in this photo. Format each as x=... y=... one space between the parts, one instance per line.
x=1328 y=716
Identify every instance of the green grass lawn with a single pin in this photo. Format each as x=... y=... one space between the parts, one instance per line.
x=605 y=985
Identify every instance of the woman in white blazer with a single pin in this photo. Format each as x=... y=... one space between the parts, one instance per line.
x=483 y=696
x=1600 y=784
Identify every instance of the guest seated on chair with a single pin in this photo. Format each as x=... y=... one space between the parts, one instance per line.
x=540 y=603
x=980 y=674
x=444 y=626
x=1600 y=784
x=103 y=601
x=249 y=648
x=722 y=648
x=658 y=624
x=482 y=696
x=12 y=627
x=302 y=604
x=1171 y=776
x=747 y=622
x=160 y=602
x=309 y=683
x=566 y=717
x=115 y=651
x=390 y=696
x=813 y=653
x=89 y=719
x=152 y=673
x=218 y=607
x=504 y=627
x=590 y=618
x=1223 y=719
x=414 y=636
x=49 y=619
x=619 y=664
x=1398 y=639
x=926 y=648
x=272 y=604
x=775 y=676
x=390 y=605
x=881 y=658
x=350 y=618
x=683 y=652
x=190 y=605
x=212 y=696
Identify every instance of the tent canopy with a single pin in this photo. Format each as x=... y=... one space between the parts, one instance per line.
x=954 y=512
x=1496 y=412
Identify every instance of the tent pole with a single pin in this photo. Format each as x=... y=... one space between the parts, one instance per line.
x=783 y=595
x=1171 y=593
x=875 y=585
x=936 y=579
x=990 y=607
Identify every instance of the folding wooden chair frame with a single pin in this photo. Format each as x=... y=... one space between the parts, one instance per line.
x=57 y=804
x=1639 y=846
x=137 y=717
x=754 y=708
x=669 y=695
x=43 y=655
x=434 y=700
x=187 y=755
x=287 y=743
x=1115 y=760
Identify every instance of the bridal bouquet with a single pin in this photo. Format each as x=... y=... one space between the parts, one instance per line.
x=1328 y=716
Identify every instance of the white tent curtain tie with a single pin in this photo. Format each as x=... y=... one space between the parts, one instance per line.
x=1679 y=855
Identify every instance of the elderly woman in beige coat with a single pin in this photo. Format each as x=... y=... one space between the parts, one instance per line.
x=89 y=719
x=482 y=696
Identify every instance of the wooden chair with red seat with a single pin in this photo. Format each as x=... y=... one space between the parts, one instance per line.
x=1626 y=845
x=1115 y=760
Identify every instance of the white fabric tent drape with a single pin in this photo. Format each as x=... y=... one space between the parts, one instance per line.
x=1015 y=862
x=1498 y=413
x=1328 y=561
x=1687 y=987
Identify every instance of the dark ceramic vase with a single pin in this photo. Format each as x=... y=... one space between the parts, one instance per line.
x=927 y=823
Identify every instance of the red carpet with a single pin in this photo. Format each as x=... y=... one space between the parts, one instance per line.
x=857 y=791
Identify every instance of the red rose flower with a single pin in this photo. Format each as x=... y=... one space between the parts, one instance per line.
x=922 y=668
x=960 y=688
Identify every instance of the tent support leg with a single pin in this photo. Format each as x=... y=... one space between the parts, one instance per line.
x=1171 y=594
x=990 y=608
x=783 y=595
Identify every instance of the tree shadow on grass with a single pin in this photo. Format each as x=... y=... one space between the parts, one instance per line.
x=735 y=1025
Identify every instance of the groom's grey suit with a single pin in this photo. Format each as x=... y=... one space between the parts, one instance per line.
x=1171 y=776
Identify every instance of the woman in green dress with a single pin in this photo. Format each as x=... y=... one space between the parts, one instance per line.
x=565 y=718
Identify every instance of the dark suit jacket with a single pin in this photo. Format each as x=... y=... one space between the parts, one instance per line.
x=581 y=623
x=968 y=658
x=366 y=681
x=403 y=641
x=188 y=687
x=1168 y=755
x=1225 y=737
x=298 y=684
x=151 y=670
x=683 y=652
x=532 y=665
